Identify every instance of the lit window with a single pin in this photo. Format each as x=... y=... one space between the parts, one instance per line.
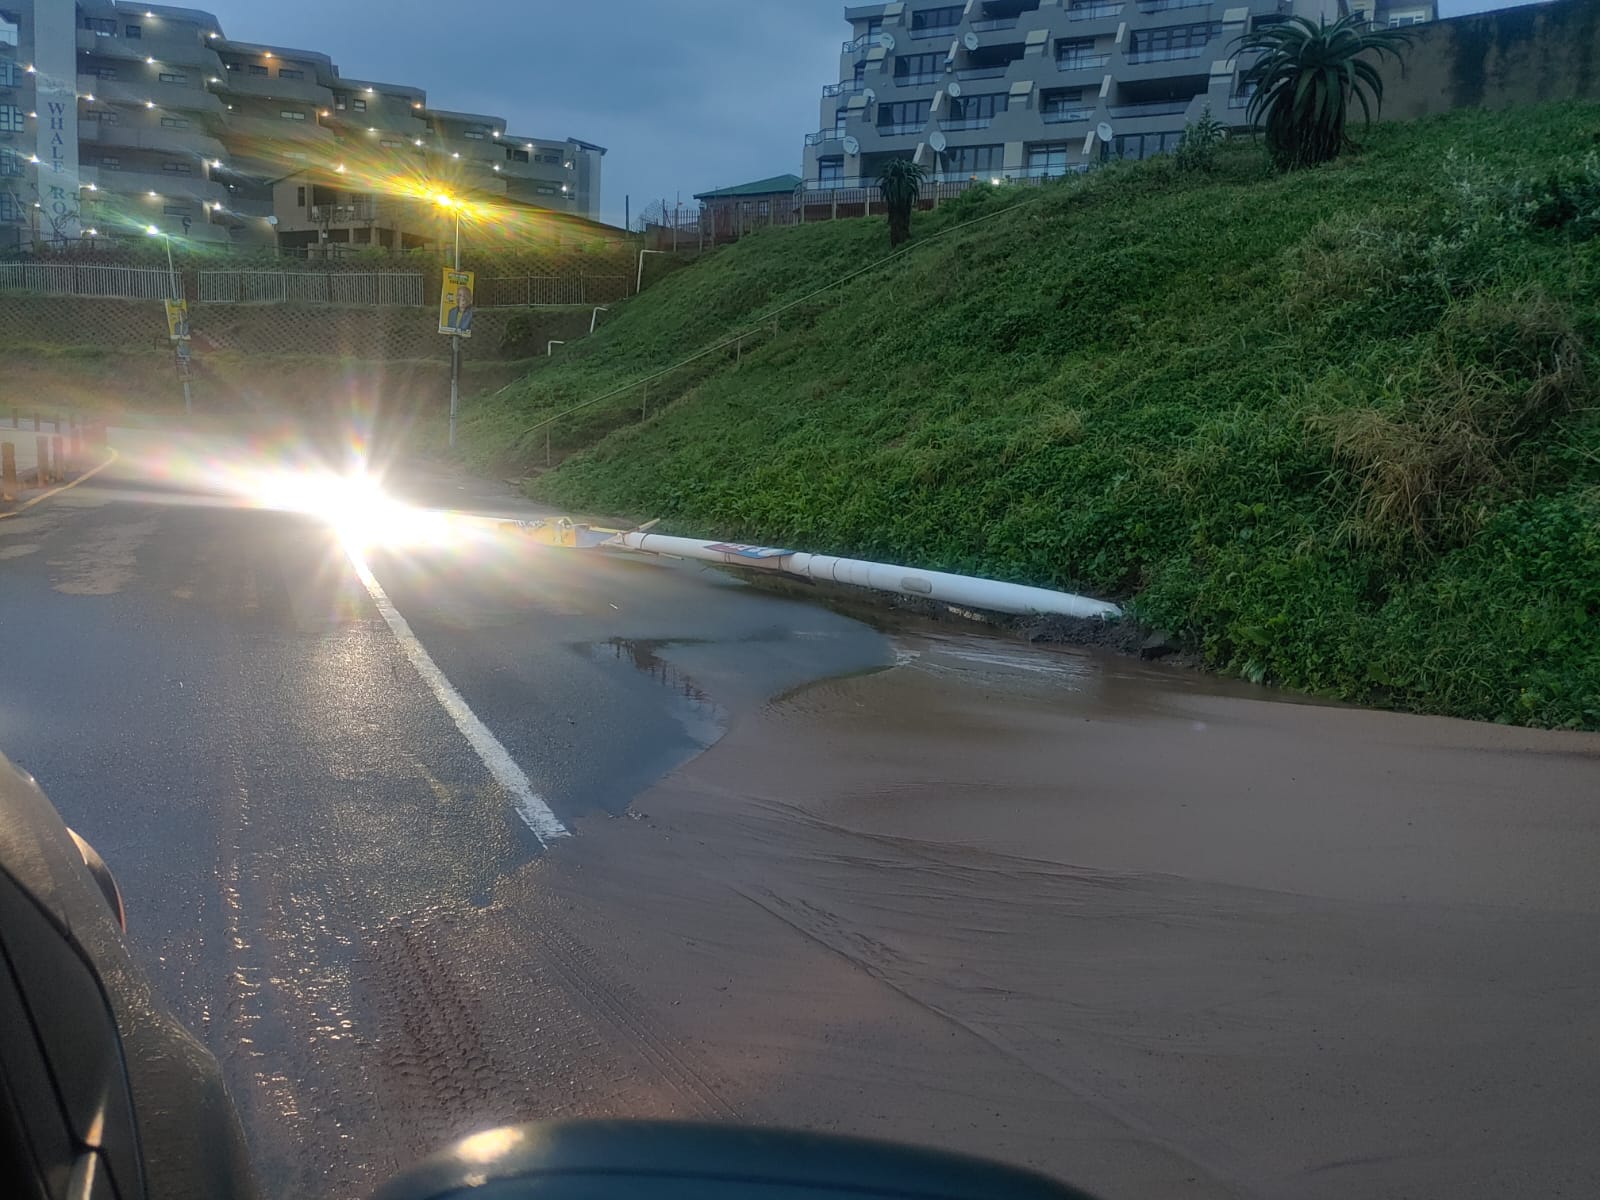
x=289 y=114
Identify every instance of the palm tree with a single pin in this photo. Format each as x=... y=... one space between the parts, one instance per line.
x=900 y=183
x=1305 y=78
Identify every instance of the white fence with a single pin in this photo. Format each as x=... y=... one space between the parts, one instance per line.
x=383 y=289
x=77 y=279
x=519 y=291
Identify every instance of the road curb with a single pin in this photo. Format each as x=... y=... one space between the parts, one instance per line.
x=111 y=457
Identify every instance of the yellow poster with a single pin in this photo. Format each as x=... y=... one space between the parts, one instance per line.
x=455 y=303
x=177 y=319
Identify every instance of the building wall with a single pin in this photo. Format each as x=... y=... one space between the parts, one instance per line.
x=1499 y=59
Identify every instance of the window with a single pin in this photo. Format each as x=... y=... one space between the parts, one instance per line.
x=975 y=112
x=974 y=160
x=175 y=122
x=172 y=77
x=475 y=134
x=1402 y=19
x=514 y=155
x=10 y=119
x=177 y=168
x=1073 y=52
x=1145 y=145
x=10 y=207
x=903 y=116
x=1047 y=161
x=105 y=72
x=8 y=73
x=111 y=162
x=101 y=26
x=8 y=29
x=10 y=162
x=1171 y=41
x=291 y=73
x=390 y=143
x=135 y=32
x=933 y=21
x=256 y=69
x=918 y=68
x=300 y=197
x=106 y=116
x=178 y=210
x=358 y=106
x=1064 y=104
x=341 y=101
x=550 y=157
x=841 y=114
x=290 y=114
x=830 y=170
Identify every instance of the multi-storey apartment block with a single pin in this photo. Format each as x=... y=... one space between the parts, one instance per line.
x=115 y=117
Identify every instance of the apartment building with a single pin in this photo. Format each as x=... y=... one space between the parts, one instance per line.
x=115 y=117
x=1001 y=89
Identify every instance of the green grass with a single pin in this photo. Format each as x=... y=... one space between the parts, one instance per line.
x=1336 y=429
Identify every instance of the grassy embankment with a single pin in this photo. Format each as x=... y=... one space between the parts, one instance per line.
x=1337 y=429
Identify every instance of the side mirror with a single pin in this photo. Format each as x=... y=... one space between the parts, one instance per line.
x=103 y=878
x=664 y=1160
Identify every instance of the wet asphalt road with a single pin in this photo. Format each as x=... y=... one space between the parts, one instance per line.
x=209 y=694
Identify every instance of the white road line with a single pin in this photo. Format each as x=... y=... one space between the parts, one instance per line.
x=530 y=806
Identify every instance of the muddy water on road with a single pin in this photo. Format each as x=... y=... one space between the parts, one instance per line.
x=1160 y=936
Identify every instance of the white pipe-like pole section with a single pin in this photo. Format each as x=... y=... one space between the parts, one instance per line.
x=964 y=590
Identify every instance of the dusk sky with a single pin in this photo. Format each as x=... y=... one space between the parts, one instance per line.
x=686 y=95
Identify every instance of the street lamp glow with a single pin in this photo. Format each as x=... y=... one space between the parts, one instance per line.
x=151 y=229
x=149 y=62
x=149 y=103
x=92 y=232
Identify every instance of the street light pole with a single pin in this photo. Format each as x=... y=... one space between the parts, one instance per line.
x=455 y=348
x=172 y=285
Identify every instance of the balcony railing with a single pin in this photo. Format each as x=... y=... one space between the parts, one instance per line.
x=1151 y=108
x=994 y=23
x=912 y=80
x=1155 y=6
x=983 y=72
x=1082 y=62
x=1088 y=12
x=865 y=42
x=1166 y=54
x=902 y=128
x=845 y=87
x=967 y=123
x=933 y=31
x=823 y=135
x=1060 y=116
x=339 y=214
x=1239 y=101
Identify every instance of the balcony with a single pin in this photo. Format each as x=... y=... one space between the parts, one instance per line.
x=1082 y=62
x=997 y=72
x=1152 y=108
x=845 y=87
x=1089 y=12
x=270 y=87
x=998 y=23
x=935 y=31
x=1062 y=116
x=343 y=214
x=865 y=42
x=1166 y=54
x=967 y=123
x=902 y=128
x=1158 y=6
x=138 y=184
x=128 y=135
x=915 y=80
x=179 y=97
x=822 y=136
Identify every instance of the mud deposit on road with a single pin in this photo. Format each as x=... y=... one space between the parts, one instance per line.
x=1161 y=939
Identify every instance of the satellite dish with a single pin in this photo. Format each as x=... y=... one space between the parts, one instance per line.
x=955 y=91
x=870 y=96
x=852 y=146
x=886 y=40
x=1103 y=131
x=938 y=141
x=970 y=41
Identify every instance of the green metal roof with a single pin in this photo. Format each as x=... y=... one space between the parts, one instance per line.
x=761 y=187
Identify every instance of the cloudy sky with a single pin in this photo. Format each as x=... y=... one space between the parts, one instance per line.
x=686 y=95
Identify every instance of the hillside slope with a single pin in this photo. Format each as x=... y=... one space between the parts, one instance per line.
x=1337 y=429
